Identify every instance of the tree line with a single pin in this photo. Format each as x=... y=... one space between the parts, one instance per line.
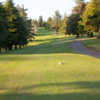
x=84 y=19
x=15 y=27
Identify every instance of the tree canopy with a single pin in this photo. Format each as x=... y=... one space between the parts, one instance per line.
x=15 y=27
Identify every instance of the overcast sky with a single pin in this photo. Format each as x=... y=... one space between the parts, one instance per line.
x=46 y=8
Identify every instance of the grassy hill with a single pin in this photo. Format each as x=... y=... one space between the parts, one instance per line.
x=48 y=69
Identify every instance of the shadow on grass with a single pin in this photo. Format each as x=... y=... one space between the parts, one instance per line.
x=67 y=96
x=92 y=94
x=50 y=46
x=69 y=85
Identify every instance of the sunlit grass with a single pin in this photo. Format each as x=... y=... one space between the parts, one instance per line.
x=48 y=69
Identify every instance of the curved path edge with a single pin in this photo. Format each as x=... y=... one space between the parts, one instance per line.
x=78 y=47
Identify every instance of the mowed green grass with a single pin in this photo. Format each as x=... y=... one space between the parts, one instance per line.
x=93 y=43
x=49 y=70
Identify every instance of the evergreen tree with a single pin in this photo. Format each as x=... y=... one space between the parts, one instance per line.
x=50 y=22
x=40 y=21
x=75 y=18
x=28 y=30
x=56 y=21
x=63 y=26
x=3 y=28
x=15 y=27
x=72 y=24
x=12 y=20
x=24 y=27
x=31 y=31
x=21 y=39
x=19 y=26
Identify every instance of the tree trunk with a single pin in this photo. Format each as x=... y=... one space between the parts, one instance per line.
x=20 y=46
x=0 y=50
x=90 y=35
x=6 y=49
x=10 y=47
x=57 y=30
x=23 y=46
x=15 y=47
x=99 y=33
x=77 y=35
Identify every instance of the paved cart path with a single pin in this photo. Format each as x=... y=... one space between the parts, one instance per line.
x=78 y=47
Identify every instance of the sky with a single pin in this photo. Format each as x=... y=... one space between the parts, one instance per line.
x=46 y=8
